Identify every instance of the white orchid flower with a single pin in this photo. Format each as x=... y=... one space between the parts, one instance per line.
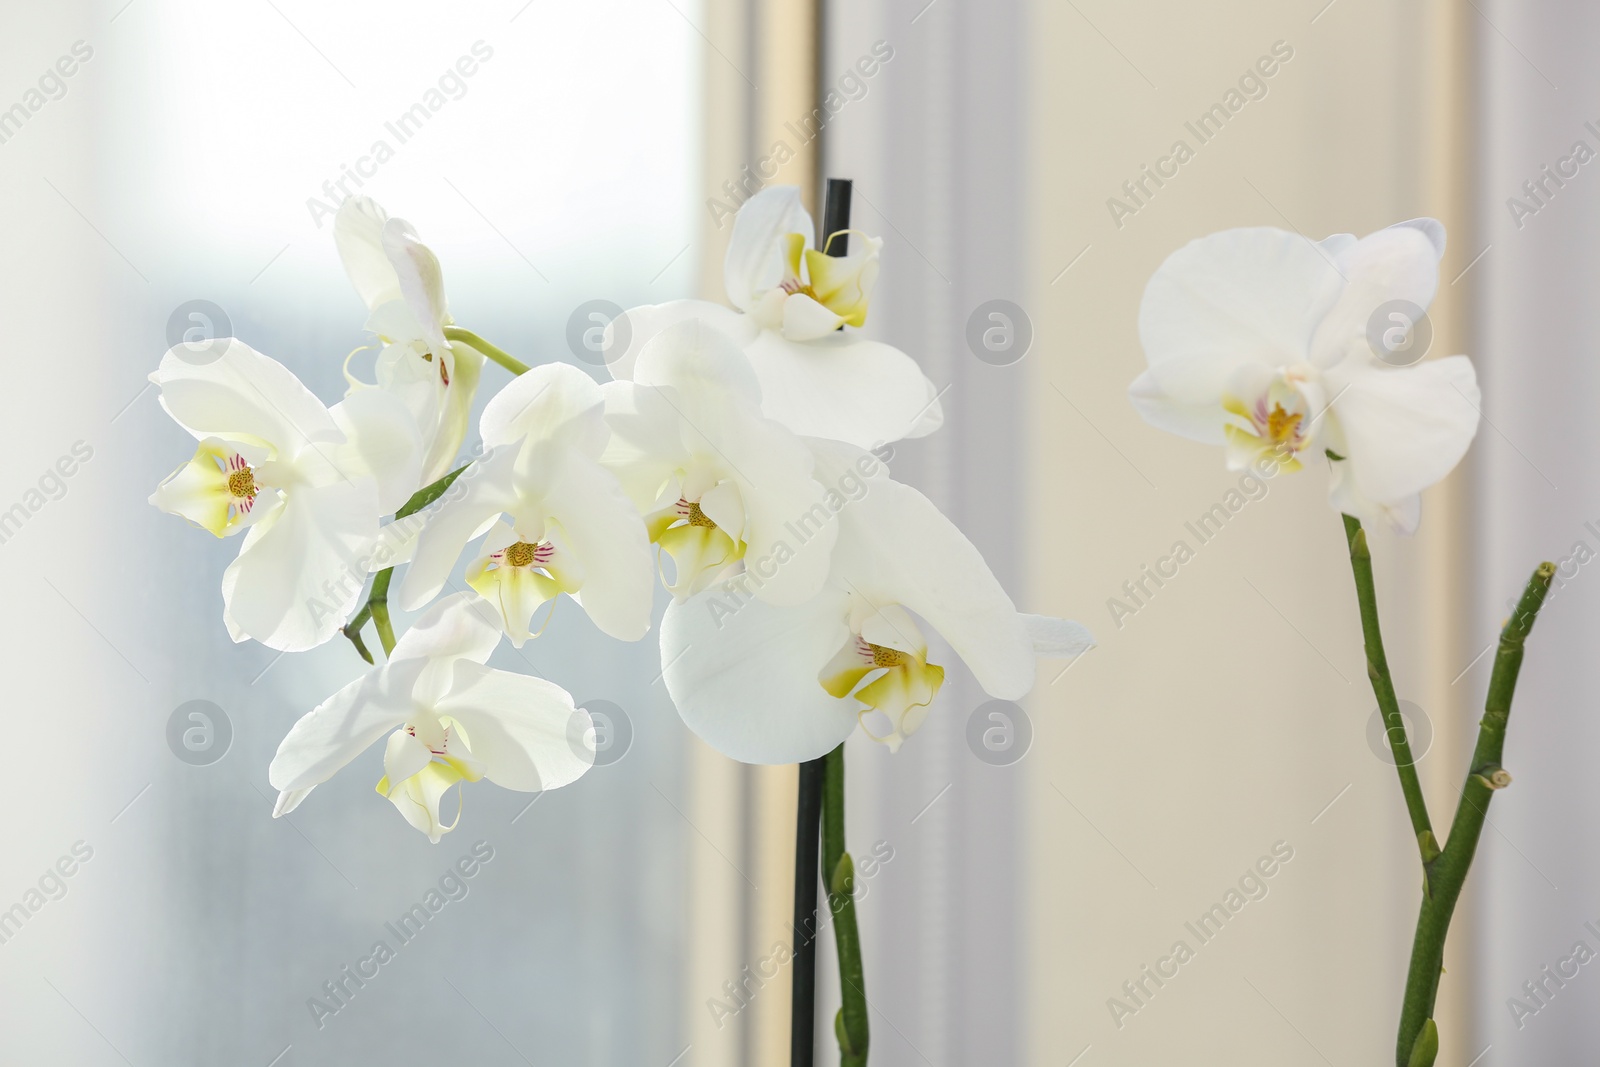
x=721 y=485
x=1258 y=339
x=792 y=300
x=307 y=483
x=769 y=684
x=450 y=719
x=571 y=527
x=402 y=284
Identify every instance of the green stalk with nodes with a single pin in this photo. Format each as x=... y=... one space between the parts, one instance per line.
x=1444 y=868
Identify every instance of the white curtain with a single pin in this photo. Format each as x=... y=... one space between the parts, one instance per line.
x=1537 y=499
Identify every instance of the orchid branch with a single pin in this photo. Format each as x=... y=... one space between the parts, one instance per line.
x=352 y=629
x=1444 y=870
x=378 y=603
x=500 y=356
x=1383 y=687
x=377 y=606
x=850 y=1026
x=1447 y=872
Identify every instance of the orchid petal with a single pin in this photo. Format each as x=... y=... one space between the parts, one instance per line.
x=553 y=401
x=844 y=388
x=806 y=320
x=402 y=372
x=243 y=393
x=418 y=798
x=421 y=281
x=467 y=363
x=1398 y=263
x=1244 y=295
x=1401 y=516
x=1338 y=244
x=713 y=390
x=755 y=259
x=789 y=526
x=396 y=323
x=383 y=437
x=896 y=547
x=695 y=360
x=342 y=727
x=1198 y=422
x=723 y=504
x=887 y=624
x=301 y=569
x=638 y=325
x=1405 y=428
x=1055 y=638
x=699 y=556
x=404 y=756
x=288 y=800
x=603 y=532
x=744 y=674
x=358 y=233
x=1432 y=229
x=525 y=730
x=458 y=626
x=844 y=284
x=646 y=445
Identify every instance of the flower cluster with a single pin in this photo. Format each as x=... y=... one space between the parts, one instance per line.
x=713 y=459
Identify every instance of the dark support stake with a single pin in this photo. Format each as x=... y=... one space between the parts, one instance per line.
x=808 y=829
x=808 y=818
x=836 y=217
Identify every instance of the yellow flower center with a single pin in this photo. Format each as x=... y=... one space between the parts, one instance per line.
x=1283 y=427
x=1266 y=430
x=242 y=483
x=883 y=656
x=520 y=554
x=793 y=286
x=698 y=517
x=905 y=685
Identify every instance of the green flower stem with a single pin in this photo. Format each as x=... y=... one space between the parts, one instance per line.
x=352 y=630
x=377 y=606
x=378 y=601
x=1447 y=873
x=1383 y=686
x=500 y=356
x=850 y=1025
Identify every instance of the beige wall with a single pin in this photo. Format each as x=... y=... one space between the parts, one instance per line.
x=1233 y=707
